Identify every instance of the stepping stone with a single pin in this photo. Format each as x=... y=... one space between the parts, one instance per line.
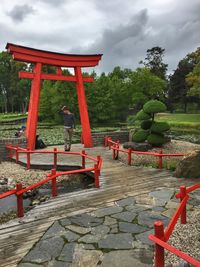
x=83 y=258
x=55 y=230
x=86 y=220
x=100 y=230
x=70 y=236
x=126 y=201
x=56 y=263
x=131 y=228
x=90 y=238
x=128 y=258
x=45 y=250
x=107 y=211
x=79 y=229
x=65 y=222
x=137 y=208
x=144 y=237
x=127 y=216
x=67 y=252
x=162 y=196
x=148 y=218
x=109 y=221
x=116 y=241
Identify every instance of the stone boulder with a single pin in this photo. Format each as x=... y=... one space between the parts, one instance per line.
x=137 y=146
x=188 y=167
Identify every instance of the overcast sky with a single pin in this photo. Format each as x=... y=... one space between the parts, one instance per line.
x=122 y=30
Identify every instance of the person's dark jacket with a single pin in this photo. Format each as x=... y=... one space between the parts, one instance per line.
x=69 y=120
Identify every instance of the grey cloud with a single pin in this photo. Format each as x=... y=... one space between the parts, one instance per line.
x=19 y=12
x=53 y=2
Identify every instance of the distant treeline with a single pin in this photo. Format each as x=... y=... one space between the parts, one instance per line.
x=112 y=96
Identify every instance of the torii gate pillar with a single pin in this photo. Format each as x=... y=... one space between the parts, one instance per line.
x=40 y=58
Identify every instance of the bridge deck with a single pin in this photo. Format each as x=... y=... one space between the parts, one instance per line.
x=117 y=181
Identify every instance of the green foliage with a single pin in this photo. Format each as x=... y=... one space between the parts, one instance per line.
x=131 y=120
x=146 y=125
x=140 y=136
x=193 y=78
x=156 y=139
x=154 y=106
x=159 y=127
x=144 y=86
x=141 y=115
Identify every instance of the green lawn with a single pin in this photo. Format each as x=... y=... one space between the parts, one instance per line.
x=12 y=116
x=185 y=122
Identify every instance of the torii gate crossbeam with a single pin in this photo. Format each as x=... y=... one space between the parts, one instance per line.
x=41 y=57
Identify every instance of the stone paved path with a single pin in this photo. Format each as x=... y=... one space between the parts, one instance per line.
x=114 y=236
x=93 y=227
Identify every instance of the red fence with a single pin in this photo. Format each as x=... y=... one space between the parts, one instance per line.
x=161 y=237
x=19 y=190
x=115 y=146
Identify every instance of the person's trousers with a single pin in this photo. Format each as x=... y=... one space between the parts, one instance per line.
x=68 y=137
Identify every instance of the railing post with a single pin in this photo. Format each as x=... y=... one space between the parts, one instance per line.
x=10 y=151
x=17 y=154
x=114 y=153
x=159 y=251
x=83 y=159
x=105 y=141
x=109 y=144
x=129 y=156
x=20 y=207
x=183 y=213
x=96 y=175
x=160 y=160
x=54 y=192
x=98 y=160
x=55 y=158
x=117 y=150
x=28 y=161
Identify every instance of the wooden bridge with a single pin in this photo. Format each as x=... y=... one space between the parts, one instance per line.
x=117 y=181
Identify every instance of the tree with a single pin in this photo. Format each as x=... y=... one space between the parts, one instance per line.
x=154 y=61
x=193 y=78
x=178 y=87
x=144 y=85
x=151 y=130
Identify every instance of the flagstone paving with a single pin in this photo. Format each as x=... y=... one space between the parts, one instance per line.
x=115 y=236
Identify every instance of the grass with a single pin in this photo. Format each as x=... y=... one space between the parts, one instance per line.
x=181 y=121
x=12 y=116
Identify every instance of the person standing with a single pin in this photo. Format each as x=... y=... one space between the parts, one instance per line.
x=69 y=126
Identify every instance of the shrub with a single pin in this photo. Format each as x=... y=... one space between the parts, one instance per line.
x=140 y=136
x=159 y=127
x=156 y=139
x=131 y=119
x=145 y=125
x=154 y=106
x=141 y=115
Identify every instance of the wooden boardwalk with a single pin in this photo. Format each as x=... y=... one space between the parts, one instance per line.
x=117 y=181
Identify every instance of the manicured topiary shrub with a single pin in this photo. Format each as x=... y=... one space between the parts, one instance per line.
x=152 y=131
x=140 y=136
x=160 y=127
x=141 y=115
x=154 y=106
x=156 y=139
x=146 y=125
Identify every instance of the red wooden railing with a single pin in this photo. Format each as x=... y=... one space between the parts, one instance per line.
x=115 y=146
x=161 y=237
x=19 y=190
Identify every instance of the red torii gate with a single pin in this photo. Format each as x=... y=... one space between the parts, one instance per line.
x=41 y=57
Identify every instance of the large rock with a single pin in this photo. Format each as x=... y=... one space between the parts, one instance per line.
x=137 y=146
x=188 y=167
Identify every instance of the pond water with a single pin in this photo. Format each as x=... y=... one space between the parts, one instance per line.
x=81 y=181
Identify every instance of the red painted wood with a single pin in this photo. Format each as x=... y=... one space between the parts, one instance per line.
x=34 y=107
x=53 y=62
x=183 y=196
x=175 y=251
x=8 y=193
x=159 y=250
x=175 y=218
x=20 y=207
x=54 y=185
x=53 y=77
x=55 y=158
x=87 y=137
x=51 y=55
